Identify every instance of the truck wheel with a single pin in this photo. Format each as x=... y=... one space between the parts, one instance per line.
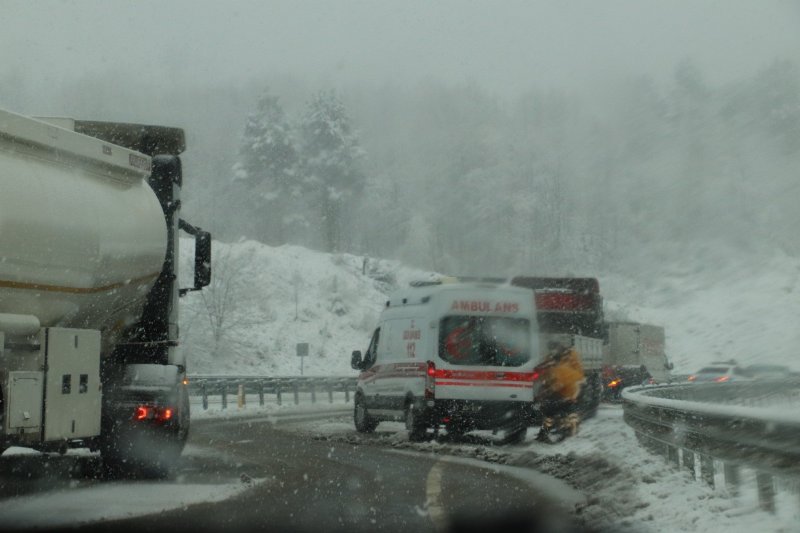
x=515 y=435
x=140 y=452
x=414 y=424
x=364 y=423
x=455 y=430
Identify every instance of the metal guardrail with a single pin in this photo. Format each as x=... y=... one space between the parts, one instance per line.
x=239 y=386
x=739 y=425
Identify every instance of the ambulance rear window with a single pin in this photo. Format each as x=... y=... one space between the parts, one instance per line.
x=485 y=341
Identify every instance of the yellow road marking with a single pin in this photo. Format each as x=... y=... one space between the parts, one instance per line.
x=433 y=493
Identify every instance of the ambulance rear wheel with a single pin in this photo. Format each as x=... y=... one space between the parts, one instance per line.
x=364 y=423
x=415 y=425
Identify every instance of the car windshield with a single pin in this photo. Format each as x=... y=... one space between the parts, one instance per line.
x=485 y=341
x=400 y=265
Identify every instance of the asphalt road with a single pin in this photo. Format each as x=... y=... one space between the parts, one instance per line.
x=299 y=483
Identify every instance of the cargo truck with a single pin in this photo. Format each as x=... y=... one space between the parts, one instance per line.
x=631 y=344
x=570 y=311
x=89 y=221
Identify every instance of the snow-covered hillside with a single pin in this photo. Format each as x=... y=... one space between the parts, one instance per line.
x=264 y=300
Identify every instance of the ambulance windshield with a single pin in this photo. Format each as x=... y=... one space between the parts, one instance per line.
x=485 y=341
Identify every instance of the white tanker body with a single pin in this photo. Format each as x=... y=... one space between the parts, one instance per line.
x=88 y=314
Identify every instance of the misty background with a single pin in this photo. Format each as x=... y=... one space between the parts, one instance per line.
x=474 y=138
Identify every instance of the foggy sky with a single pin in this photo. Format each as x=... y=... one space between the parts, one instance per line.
x=504 y=46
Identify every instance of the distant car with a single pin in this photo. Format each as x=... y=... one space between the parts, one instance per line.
x=721 y=373
x=768 y=371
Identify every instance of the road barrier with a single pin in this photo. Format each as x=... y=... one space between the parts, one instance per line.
x=739 y=431
x=240 y=386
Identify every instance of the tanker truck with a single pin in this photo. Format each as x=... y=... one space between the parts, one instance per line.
x=89 y=222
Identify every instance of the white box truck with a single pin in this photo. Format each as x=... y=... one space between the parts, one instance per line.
x=631 y=344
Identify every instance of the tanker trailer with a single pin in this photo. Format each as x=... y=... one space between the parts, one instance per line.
x=89 y=220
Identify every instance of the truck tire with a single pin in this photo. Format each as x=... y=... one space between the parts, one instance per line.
x=590 y=396
x=417 y=429
x=363 y=422
x=456 y=431
x=515 y=435
x=141 y=454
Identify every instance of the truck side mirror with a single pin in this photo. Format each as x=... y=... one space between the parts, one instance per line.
x=202 y=256
x=355 y=360
x=202 y=259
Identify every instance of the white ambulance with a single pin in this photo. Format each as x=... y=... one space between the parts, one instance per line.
x=454 y=355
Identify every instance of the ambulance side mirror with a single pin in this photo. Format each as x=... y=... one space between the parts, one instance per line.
x=355 y=360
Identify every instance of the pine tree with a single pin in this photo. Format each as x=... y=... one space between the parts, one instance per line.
x=264 y=178
x=332 y=175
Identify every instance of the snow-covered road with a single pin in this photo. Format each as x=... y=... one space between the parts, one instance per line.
x=624 y=485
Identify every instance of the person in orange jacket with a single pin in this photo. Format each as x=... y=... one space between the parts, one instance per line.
x=563 y=377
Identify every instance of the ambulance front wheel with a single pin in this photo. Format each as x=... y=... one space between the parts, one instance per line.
x=364 y=423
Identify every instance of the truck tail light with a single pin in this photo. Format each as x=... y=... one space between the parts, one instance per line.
x=430 y=383
x=149 y=412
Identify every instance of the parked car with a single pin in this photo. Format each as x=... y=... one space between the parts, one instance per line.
x=721 y=372
x=769 y=371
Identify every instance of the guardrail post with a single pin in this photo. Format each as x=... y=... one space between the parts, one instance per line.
x=313 y=393
x=732 y=478
x=330 y=392
x=204 y=393
x=241 y=400
x=688 y=462
x=766 y=492
x=707 y=469
x=346 y=393
x=261 y=393
x=296 y=393
x=278 y=392
x=224 y=396
x=672 y=456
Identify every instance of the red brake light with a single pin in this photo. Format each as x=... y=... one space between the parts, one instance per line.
x=430 y=383
x=147 y=412
x=692 y=378
x=722 y=379
x=535 y=376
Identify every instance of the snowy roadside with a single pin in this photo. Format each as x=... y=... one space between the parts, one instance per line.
x=626 y=486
